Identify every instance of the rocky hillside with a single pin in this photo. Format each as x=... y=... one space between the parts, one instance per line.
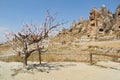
x=101 y=25
x=100 y=33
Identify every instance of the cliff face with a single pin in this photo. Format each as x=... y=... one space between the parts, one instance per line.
x=101 y=23
x=117 y=18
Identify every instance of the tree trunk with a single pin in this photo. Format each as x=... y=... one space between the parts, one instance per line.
x=39 y=57
x=25 y=60
x=25 y=52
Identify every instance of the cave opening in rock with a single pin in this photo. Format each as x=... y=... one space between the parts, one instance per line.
x=101 y=30
x=93 y=24
x=119 y=27
x=91 y=19
x=88 y=35
x=118 y=14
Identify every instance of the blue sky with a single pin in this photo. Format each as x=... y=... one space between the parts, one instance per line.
x=13 y=13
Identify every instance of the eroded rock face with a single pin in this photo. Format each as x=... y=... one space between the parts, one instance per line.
x=101 y=22
x=116 y=25
x=77 y=27
x=118 y=17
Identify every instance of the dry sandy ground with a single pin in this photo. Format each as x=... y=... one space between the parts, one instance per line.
x=63 y=71
x=113 y=44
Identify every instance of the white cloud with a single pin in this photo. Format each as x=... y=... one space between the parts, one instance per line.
x=3 y=30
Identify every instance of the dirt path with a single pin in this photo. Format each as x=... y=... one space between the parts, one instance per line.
x=63 y=71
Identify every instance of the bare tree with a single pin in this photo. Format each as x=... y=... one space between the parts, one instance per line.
x=32 y=37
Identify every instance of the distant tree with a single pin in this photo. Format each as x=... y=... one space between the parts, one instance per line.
x=32 y=37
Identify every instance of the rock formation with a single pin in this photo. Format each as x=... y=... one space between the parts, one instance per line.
x=101 y=23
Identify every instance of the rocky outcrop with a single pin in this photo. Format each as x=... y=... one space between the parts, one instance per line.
x=116 y=26
x=100 y=23
x=79 y=27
